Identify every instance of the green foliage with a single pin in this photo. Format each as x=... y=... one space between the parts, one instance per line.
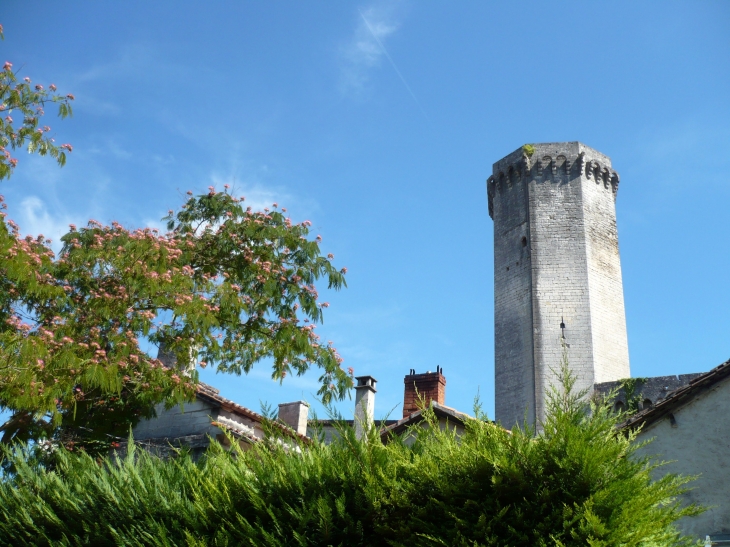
x=27 y=102
x=227 y=287
x=631 y=387
x=528 y=150
x=580 y=482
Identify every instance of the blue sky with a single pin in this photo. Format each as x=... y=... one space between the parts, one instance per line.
x=379 y=122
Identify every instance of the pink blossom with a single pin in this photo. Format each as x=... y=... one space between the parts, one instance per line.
x=52 y=87
x=67 y=147
x=38 y=87
x=8 y=65
x=330 y=256
x=27 y=79
x=70 y=97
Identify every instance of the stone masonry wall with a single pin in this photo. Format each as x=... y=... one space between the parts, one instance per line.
x=513 y=345
x=559 y=273
x=649 y=391
x=566 y=270
x=174 y=422
x=605 y=284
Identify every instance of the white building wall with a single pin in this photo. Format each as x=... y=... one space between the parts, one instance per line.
x=699 y=445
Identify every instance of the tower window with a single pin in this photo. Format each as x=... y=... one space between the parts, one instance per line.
x=618 y=407
x=647 y=403
x=524 y=241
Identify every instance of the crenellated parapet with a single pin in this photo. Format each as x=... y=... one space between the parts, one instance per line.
x=551 y=163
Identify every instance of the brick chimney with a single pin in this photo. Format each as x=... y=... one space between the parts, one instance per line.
x=430 y=386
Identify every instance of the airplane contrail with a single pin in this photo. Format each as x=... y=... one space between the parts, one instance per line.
x=392 y=63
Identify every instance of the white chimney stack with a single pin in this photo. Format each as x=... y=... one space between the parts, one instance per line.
x=364 y=405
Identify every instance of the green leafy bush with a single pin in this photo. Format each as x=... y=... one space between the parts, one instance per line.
x=578 y=482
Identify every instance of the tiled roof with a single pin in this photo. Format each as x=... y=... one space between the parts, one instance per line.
x=441 y=411
x=239 y=430
x=678 y=397
x=209 y=393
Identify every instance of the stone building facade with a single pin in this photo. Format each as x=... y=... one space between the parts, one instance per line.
x=557 y=274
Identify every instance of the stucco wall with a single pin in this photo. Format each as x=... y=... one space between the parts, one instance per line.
x=699 y=445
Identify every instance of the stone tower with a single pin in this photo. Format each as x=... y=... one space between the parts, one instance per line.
x=557 y=274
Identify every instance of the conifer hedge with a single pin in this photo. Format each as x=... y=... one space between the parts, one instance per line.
x=579 y=482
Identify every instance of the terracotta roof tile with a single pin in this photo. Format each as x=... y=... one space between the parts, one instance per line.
x=211 y=394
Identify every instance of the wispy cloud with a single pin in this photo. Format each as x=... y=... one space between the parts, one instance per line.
x=366 y=48
x=35 y=219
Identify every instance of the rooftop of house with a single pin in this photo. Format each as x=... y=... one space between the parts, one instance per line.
x=212 y=395
x=441 y=411
x=679 y=397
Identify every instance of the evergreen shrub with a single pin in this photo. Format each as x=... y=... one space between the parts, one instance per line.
x=577 y=482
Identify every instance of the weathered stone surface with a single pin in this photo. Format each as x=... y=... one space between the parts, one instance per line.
x=193 y=419
x=556 y=262
x=648 y=391
x=295 y=415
